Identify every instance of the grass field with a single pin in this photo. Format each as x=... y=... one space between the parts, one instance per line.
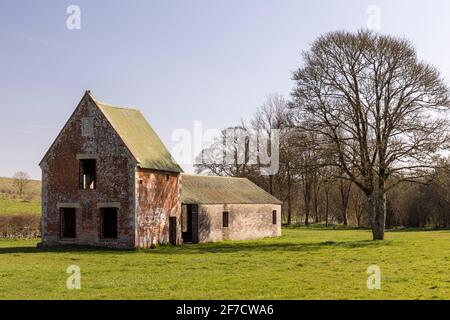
x=303 y=264
x=12 y=204
x=15 y=207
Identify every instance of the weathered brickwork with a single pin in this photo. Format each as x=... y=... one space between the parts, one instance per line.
x=157 y=200
x=245 y=222
x=115 y=181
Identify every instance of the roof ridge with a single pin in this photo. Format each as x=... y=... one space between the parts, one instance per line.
x=206 y=176
x=116 y=106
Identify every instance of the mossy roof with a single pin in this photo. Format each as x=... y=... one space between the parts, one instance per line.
x=139 y=137
x=198 y=189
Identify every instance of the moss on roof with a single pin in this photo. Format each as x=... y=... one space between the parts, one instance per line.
x=139 y=137
x=222 y=190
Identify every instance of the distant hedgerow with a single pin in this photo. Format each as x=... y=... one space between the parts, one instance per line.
x=19 y=226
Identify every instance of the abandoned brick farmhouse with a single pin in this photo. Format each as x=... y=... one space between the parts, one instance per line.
x=108 y=180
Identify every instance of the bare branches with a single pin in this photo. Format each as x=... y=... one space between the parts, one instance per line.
x=20 y=181
x=380 y=108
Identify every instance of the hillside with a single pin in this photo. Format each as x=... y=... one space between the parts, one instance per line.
x=12 y=204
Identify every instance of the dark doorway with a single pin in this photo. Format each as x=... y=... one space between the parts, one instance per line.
x=68 y=223
x=109 y=223
x=173 y=230
x=190 y=233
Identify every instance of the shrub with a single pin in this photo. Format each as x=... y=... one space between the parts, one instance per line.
x=19 y=226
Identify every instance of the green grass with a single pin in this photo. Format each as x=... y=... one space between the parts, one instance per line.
x=16 y=206
x=303 y=264
x=12 y=204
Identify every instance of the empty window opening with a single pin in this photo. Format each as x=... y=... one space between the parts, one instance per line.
x=274 y=217
x=88 y=174
x=109 y=223
x=68 y=222
x=225 y=217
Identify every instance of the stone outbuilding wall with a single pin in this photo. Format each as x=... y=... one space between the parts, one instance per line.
x=245 y=222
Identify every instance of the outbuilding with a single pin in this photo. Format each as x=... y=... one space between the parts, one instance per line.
x=108 y=180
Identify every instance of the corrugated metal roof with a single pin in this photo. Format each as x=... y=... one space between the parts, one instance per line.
x=198 y=189
x=139 y=137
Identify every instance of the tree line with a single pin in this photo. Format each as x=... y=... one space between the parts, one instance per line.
x=363 y=137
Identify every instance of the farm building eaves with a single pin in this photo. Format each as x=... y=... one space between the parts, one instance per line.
x=198 y=189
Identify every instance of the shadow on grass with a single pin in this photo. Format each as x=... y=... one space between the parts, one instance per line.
x=323 y=227
x=218 y=247
x=227 y=247
x=335 y=227
x=63 y=249
x=417 y=229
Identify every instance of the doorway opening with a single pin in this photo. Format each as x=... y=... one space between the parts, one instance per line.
x=109 y=223
x=173 y=230
x=68 y=223
x=190 y=223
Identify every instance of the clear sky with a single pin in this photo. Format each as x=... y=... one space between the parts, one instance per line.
x=179 y=61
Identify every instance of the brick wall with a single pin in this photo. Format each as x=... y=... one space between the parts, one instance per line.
x=115 y=181
x=157 y=200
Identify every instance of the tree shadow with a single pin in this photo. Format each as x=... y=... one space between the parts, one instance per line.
x=323 y=227
x=235 y=247
x=417 y=229
x=225 y=247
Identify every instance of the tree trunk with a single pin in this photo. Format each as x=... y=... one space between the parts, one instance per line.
x=345 y=188
x=371 y=211
x=289 y=195
x=306 y=214
x=307 y=207
x=377 y=213
x=307 y=196
x=327 y=208
x=316 y=210
x=289 y=219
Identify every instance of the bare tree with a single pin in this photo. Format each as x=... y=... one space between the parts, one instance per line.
x=273 y=114
x=289 y=167
x=227 y=155
x=20 y=181
x=381 y=109
x=358 y=202
x=327 y=178
x=308 y=165
x=345 y=187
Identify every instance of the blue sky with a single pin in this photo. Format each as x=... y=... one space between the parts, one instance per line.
x=177 y=60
